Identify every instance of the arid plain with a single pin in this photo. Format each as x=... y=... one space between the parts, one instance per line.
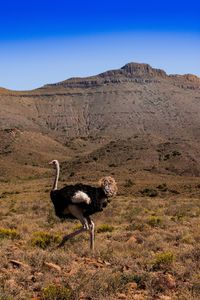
x=137 y=124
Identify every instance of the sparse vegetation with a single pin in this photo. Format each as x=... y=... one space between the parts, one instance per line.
x=9 y=233
x=163 y=260
x=146 y=247
x=44 y=239
x=56 y=292
x=168 y=156
x=176 y=153
x=149 y=192
x=128 y=183
x=105 y=228
x=154 y=221
x=162 y=187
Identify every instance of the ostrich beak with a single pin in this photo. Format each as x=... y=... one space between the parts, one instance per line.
x=51 y=162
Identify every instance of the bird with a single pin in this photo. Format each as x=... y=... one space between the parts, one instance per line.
x=80 y=201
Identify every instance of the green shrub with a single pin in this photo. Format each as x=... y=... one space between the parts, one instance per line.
x=4 y=297
x=131 y=214
x=112 y=165
x=77 y=226
x=178 y=217
x=44 y=239
x=166 y=157
x=9 y=233
x=162 y=187
x=5 y=194
x=176 y=153
x=128 y=183
x=54 y=292
x=154 y=221
x=164 y=259
x=127 y=278
x=105 y=228
x=149 y=192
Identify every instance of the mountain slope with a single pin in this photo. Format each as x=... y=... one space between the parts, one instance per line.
x=132 y=100
x=136 y=100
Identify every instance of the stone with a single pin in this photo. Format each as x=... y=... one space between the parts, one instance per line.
x=53 y=266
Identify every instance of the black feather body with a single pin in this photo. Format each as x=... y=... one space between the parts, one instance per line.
x=63 y=197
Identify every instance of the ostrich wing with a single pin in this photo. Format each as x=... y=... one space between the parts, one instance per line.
x=81 y=197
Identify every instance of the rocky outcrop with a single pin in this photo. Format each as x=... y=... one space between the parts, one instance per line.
x=142 y=70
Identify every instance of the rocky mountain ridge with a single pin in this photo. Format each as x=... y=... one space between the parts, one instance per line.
x=131 y=72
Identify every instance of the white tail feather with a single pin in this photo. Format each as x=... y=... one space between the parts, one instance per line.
x=80 y=197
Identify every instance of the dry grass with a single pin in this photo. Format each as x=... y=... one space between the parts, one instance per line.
x=146 y=248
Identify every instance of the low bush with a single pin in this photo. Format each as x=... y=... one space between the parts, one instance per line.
x=55 y=292
x=128 y=183
x=163 y=260
x=44 y=239
x=154 y=221
x=105 y=228
x=149 y=192
x=9 y=233
x=162 y=187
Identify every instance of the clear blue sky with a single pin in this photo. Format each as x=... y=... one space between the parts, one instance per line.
x=48 y=41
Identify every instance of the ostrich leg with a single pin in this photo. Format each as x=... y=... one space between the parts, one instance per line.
x=69 y=236
x=91 y=229
x=77 y=212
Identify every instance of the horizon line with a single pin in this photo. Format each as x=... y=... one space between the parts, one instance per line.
x=89 y=76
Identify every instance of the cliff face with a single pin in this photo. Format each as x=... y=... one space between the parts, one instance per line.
x=142 y=70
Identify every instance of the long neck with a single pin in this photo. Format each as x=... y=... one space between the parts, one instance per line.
x=55 y=184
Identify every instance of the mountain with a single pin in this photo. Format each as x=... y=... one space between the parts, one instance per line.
x=136 y=116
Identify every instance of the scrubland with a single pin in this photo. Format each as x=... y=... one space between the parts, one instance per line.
x=147 y=244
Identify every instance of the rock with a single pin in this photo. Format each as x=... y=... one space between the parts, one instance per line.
x=39 y=274
x=121 y=296
x=163 y=297
x=57 y=281
x=107 y=263
x=53 y=266
x=143 y=70
x=139 y=296
x=31 y=278
x=96 y=263
x=170 y=281
x=18 y=264
x=131 y=240
x=82 y=296
x=132 y=286
x=165 y=281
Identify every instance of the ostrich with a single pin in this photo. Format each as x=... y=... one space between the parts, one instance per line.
x=80 y=201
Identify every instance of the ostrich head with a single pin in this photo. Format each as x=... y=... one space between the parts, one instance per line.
x=108 y=184
x=54 y=162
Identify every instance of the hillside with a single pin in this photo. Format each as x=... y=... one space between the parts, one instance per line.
x=78 y=117
x=132 y=100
